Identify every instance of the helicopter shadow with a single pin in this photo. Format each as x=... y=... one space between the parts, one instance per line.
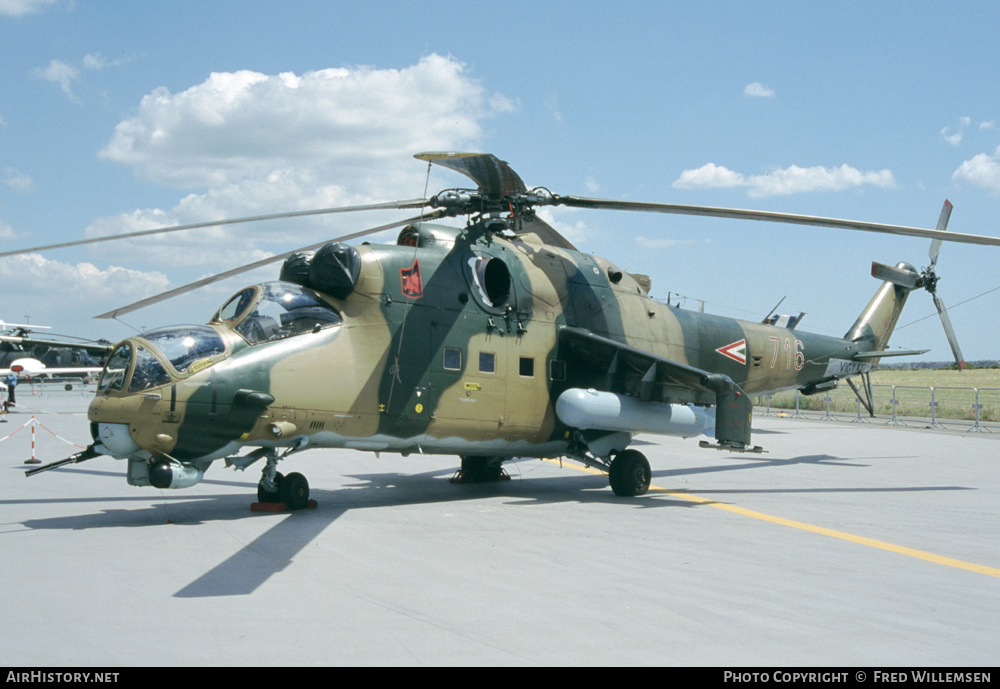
x=274 y=549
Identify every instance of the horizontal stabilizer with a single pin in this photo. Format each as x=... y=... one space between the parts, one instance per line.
x=892 y=352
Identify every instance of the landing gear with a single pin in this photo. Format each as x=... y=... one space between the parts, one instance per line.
x=480 y=470
x=270 y=494
x=630 y=474
x=275 y=488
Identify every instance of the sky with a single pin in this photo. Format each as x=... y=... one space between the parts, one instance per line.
x=119 y=116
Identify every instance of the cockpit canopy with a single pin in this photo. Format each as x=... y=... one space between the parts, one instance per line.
x=276 y=310
x=262 y=313
x=184 y=347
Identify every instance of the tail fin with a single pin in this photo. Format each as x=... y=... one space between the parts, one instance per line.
x=876 y=322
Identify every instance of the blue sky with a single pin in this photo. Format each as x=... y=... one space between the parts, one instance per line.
x=117 y=116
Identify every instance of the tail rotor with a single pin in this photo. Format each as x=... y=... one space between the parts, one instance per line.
x=927 y=279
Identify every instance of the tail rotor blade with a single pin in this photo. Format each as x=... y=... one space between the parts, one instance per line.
x=949 y=332
x=942 y=225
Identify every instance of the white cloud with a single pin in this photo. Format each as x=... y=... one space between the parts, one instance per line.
x=709 y=176
x=61 y=73
x=67 y=75
x=249 y=143
x=48 y=280
x=97 y=62
x=6 y=231
x=954 y=137
x=981 y=171
x=17 y=8
x=18 y=181
x=327 y=124
x=791 y=180
x=501 y=103
x=758 y=90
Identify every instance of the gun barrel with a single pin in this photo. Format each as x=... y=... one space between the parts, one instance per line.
x=83 y=456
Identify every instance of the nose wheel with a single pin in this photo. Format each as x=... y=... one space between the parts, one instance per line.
x=278 y=490
x=294 y=491
x=268 y=492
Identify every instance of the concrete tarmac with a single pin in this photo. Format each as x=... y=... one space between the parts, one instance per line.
x=847 y=544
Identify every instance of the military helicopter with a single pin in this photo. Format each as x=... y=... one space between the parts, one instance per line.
x=27 y=355
x=492 y=341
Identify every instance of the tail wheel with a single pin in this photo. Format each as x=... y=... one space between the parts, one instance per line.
x=630 y=474
x=294 y=491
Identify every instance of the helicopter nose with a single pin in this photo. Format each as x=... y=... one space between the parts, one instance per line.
x=174 y=392
x=199 y=420
x=115 y=437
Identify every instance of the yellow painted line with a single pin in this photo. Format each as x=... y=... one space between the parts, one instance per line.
x=822 y=530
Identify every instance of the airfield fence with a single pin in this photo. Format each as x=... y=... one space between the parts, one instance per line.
x=895 y=404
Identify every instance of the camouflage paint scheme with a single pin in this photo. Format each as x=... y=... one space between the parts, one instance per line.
x=460 y=341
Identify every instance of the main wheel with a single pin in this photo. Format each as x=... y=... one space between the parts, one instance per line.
x=630 y=474
x=264 y=495
x=294 y=491
x=481 y=469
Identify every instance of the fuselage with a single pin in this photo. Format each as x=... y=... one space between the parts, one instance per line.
x=446 y=342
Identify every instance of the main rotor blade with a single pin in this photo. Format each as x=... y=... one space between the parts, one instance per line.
x=545 y=232
x=949 y=332
x=769 y=216
x=30 y=341
x=163 y=296
x=392 y=205
x=493 y=176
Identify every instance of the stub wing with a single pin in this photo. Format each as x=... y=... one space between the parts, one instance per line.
x=634 y=374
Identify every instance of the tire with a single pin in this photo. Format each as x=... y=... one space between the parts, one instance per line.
x=294 y=491
x=268 y=496
x=630 y=474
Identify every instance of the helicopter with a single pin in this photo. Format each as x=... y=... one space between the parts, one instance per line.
x=47 y=357
x=491 y=341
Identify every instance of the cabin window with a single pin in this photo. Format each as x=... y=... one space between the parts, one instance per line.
x=452 y=359
x=487 y=362
x=527 y=366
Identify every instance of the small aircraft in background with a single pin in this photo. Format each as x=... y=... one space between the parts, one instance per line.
x=25 y=355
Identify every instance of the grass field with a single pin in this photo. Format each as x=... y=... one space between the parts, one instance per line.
x=954 y=394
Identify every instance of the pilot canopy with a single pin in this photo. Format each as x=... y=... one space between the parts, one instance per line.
x=276 y=310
